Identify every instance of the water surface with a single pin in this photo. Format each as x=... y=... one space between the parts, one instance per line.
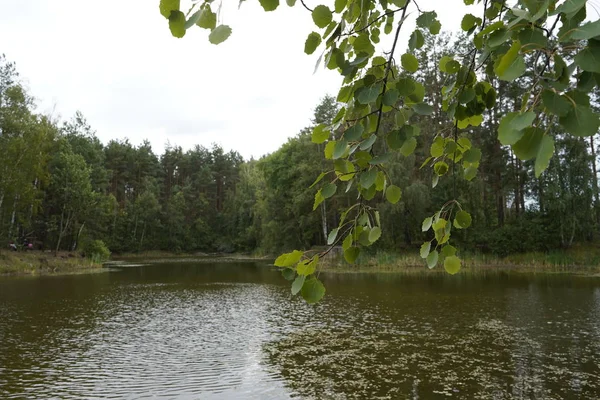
x=232 y=330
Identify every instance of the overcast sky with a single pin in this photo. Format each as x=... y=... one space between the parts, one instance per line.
x=116 y=61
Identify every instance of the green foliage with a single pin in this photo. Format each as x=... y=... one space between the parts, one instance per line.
x=515 y=71
x=96 y=250
x=219 y=34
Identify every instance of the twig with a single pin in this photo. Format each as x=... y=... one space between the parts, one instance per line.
x=389 y=66
x=372 y=22
x=305 y=6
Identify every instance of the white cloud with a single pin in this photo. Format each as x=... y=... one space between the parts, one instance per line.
x=116 y=61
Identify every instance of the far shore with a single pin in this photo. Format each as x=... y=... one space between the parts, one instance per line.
x=582 y=261
x=36 y=263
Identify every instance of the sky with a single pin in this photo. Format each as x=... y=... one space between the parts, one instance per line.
x=117 y=63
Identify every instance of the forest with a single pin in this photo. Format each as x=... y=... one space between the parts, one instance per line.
x=62 y=189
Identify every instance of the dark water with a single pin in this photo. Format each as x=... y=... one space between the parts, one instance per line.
x=231 y=331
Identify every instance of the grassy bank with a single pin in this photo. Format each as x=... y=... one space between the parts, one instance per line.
x=155 y=256
x=43 y=263
x=579 y=259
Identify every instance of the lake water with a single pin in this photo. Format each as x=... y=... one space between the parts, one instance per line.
x=200 y=330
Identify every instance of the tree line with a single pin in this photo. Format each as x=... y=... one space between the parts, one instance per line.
x=63 y=189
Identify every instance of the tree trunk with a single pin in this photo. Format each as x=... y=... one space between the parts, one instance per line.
x=143 y=233
x=324 y=220
x=12 y=218
x=517 y=196
x=541 y=194
x=77 y=238
x=135 y=227
x=64 y=224
x=595 y=179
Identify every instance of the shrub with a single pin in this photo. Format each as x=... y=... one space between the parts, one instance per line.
x=96 y=250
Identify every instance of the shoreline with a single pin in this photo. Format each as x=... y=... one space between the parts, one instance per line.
x=37 y=263
x=40 y=263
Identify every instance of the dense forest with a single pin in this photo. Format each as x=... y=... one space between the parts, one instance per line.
x=61 y=188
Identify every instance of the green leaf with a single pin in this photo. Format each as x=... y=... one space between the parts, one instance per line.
x=319 y=178
x=290 y=3
x=469 y=21
x=406 y=86
x=533 y=39
x=347 y=243
x=340 y=149
x=340 y=5
x=320 y=134
x=435 y=27
x=544 y=155
x=288 y=259
x=313 y=291
x=322 y=16
x=298 y=283
x=511 y=65
x=588 y=59
x=569 y=7
x=588 y=31
x=367 y=143
x=177 y=24
x=166 y=6
x=193 y=19
x=329 y=147
x=448 y=251
x=208 y=19
x=408 y=147
x=393 y=194
x=437 y=147
x=374 y=234
x=269 y=5
x=367 y=178
x=527 y=147
x=312 y=42
x=354 y=132
x=318 y=199
x=381 y=159
x=426 y=224
x=432 y=259
x=328 y=190
x=390 y=98
x=332 y=236
x=219 y=34
x=470 y=173
x=452 y=264
x=362 y=44
x=440 y=168
x=409 y=62
x=462 y=219
x=444 y=62
x=472 y=155
x=512 y=125
x=416 y=40
x=422 y=108
x=555 y=103
x=581 y=121
x=425 y=248
x=307 y=267
x=351 y=254
x=288 y=274
x=426 y=19
x=368 y=94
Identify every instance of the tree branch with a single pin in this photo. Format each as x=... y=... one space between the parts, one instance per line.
x=305 y=6
x=375 y=20
x=389 y=65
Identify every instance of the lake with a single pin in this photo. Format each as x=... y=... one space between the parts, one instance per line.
x=231 y=330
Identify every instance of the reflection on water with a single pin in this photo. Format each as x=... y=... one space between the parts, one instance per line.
x=231 y=331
